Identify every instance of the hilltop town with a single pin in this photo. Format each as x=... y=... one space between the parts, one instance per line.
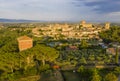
x=83 y=30
x=59 y=51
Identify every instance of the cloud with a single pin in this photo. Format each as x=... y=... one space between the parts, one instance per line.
x=101 y=6
x=72 y=10
x=36 y=9
x=114 y=14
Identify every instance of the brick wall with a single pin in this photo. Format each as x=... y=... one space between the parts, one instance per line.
x=25 y=44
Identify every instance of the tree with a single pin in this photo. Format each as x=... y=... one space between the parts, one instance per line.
x=10 y=47
x=83 y=60
x=110 y=77
x=112 y=35
x=117 y=70
x=91 y=57
x=117 y=56
x=81 y=70
x=84 y=44
x=95 y=76
x=45 y=53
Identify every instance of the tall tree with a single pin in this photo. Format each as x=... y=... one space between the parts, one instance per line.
x=110 y=77
x=45 y=53
x=95 y=76
x=84 y=44
x=117 y=56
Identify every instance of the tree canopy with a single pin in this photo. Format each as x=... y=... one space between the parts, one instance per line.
x=112 y=35
x=111 y=77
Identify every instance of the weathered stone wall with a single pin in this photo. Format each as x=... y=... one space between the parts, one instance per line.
x=25 y=44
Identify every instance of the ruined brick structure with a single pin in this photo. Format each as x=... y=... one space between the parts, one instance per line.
x=24 y=42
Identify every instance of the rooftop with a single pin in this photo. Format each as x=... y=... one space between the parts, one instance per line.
x=24 y=38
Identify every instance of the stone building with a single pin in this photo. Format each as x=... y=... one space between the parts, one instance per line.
x=24 y=42
x=107 y=25
x=112 y=50
x=84 y=24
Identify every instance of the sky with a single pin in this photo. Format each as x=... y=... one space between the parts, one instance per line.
x=61 y=10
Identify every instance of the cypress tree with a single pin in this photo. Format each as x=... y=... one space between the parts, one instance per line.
x=117 y=56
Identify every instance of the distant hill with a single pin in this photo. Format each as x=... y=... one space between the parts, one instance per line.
x=4 y=20
x=16 y=20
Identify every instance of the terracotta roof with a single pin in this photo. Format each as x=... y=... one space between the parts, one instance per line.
x=24 y=38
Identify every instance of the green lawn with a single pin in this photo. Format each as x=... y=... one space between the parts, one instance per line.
x=71 y=76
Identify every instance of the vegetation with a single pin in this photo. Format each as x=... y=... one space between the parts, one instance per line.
x=117 y=56
x=70 y=76
x=84 y=44
x=15 y=64
x=112 y=35
x=86 y=57
x=111 y=77
x=39 y=60
x=95 y=76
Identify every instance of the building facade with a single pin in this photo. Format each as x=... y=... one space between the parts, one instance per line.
x=24 y=42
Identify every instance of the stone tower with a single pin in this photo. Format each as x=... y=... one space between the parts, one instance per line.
x=107 y=25
x=24 y=42
x=83 y=22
